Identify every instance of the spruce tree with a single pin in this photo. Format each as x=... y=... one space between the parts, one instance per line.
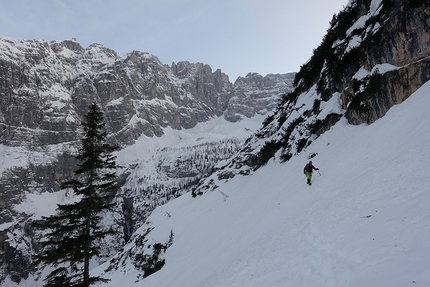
x=75 y=231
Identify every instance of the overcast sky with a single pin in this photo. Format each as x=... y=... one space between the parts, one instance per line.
x=236 y=36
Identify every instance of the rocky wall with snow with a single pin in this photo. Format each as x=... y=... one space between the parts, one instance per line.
x=45 y=89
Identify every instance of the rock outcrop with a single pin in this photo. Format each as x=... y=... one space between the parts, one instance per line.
x=256 y=94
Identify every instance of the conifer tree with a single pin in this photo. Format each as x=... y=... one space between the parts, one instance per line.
x=75 y=231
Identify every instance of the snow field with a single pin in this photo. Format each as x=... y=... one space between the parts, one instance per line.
x=363 y=222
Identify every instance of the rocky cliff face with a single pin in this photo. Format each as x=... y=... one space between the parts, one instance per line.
x=364 y=39
x=375 y=55
x=256 y=94
x=394 y=33
x=45 y=89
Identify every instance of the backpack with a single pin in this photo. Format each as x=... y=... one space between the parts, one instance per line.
x=309 y=168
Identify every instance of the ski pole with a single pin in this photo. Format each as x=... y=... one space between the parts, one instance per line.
x=319 y=172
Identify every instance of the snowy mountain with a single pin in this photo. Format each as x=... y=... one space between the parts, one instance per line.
x=46 y=88
x=364 y=222
x=358 y=110
x=255 y=222
x=360 y=70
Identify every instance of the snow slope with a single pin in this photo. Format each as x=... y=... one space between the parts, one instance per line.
x=365 y=221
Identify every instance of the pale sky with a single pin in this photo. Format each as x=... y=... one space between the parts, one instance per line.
x=236 y=36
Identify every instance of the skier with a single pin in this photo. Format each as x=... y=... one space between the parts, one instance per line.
x=308 y=171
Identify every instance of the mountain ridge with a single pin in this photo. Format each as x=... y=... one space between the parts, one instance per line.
x=45 y=90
